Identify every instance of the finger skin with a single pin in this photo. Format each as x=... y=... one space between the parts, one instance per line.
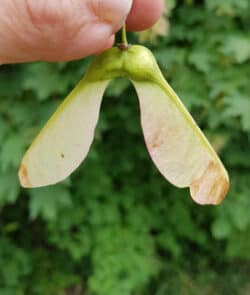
x=144 y=14
x=62 y=30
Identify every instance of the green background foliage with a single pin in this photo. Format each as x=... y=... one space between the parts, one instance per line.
x=116 y=227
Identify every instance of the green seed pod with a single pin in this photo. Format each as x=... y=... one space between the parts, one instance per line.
x=175 y=143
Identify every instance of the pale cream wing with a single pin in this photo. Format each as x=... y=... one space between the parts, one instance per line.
x=177 y=146
x=65 y=140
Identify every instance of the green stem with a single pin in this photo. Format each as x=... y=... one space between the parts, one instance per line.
x=124 y=36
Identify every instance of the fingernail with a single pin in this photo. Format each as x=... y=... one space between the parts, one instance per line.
x=112 y=11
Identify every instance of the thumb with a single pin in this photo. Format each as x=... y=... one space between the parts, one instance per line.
x=58 y=30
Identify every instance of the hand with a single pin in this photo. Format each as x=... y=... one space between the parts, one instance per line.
x=62 y=30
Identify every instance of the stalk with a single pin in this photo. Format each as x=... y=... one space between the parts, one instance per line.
x=124 y=45
x=124 y=36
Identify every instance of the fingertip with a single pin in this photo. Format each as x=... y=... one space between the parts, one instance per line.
x=107 y=45
x=144 y=14
x=111 y=11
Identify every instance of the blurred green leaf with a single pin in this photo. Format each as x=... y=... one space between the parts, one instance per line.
x=238 y=47
x=47 y=201
x=239 y=106
x=9 y=187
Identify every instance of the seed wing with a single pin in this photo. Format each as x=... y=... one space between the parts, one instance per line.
x=65 y=140
x=177 y=146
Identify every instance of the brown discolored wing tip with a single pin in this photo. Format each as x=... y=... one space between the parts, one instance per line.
x=23 y=177
x=212 y=187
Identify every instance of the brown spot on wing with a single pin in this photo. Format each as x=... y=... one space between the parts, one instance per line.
x=156 y=142
x=212 y=186
x=23 y=176
x=162 y=133
x=157 y=137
